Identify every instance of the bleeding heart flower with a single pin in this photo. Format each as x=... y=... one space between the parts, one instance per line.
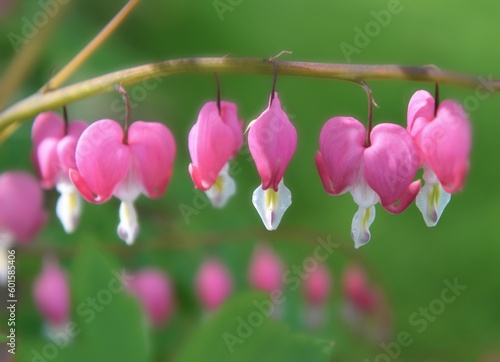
x=21 y=207
x=266 y=269
x=153 y=289
x=109 y=162
x=381 y=172
x=357 y=289
x=53 y=155
x=21 y=213
x=216 y=137
x=318 y=285
x=272 y=140
x=213 y=284
x=444 y=140
x=51 y=294
x=365 y=310
x=317 y=288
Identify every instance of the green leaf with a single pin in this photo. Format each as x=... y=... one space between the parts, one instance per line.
x=112 y=324
x=3 y=338
x=243 y=331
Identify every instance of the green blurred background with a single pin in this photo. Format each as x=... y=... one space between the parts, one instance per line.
x=410 y=260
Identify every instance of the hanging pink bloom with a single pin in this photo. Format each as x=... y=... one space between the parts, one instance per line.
x=318 y=285
x=266 y=269
x=443 y=140
x=106 y=165
x=366 y=309
x=51 y=294
x=272 y=140
x=53 y=155
x=21 y=207
x=213 y=141
x=357 y=289
x=213 y=284
x=153 y=288
x=382 y=172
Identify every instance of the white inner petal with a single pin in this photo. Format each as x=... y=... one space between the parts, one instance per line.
x=223 y=188
x=363 y=195
x=271 y=205
x=69 y=206
x=130 y=187
x=360 y=228
x=128 y=229
x=431 y=201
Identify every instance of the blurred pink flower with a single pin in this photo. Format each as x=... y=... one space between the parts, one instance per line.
x=213 y=141
x=266 y=269
x=52 y=295
x=21 y=208
x=53 y=155
x=382 y=172
x=107 y=166
x=318 y=285
x=272 y=140
x=357 y=289
x=213 y=284
x=153 y=288
x=366 y=310
x=443 y=139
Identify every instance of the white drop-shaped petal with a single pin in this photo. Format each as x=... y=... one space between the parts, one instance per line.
x=128 y=229
x=360 y=228
x=431 y=201
x=69 y=206
x=271 y=205
x=223 y=188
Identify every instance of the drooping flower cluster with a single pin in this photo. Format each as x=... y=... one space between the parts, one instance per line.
x=54 y=144
x=443 y=139
x=272 y=140
x=111 y=162
x=382 y=167
x=216 y=137
x=376 y=165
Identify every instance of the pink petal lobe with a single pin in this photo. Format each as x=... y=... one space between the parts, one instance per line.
x=272 y=140
x=152 y=147
x=341 y=145
x=21 y=205
x=213 y=140
x=47 y=162
x=47 y=125
x=446 y=143
x=102 y=161
x=391 y=162
x=66 y=148
x=229 y=115
x=323 y=174
x=420 y=112
x=406 y=199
